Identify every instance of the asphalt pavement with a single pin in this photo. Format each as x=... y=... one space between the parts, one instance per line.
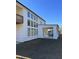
x=41 y=49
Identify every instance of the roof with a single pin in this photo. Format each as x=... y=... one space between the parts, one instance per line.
x=30 y=10
x=50 y=24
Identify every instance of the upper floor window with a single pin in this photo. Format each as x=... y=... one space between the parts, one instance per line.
x=34 y=18
x=28 y=14
x=31 y=16
x=19 y=19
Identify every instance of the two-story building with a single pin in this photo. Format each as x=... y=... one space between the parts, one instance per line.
x=30 y=26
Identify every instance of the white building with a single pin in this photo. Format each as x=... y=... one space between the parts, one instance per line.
x=31 y=26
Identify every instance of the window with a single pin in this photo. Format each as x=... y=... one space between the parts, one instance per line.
x=28 y=22
x=32 y=31
x=28 y=14
x=31 y=16
x=35 y=31
x=19 y=19
x=32 y=23
x=36 y=24
x=34 y=18
x=28 y=31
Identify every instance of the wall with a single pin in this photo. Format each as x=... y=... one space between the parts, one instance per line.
x=55 y=32
x=21 y=33
x=22 y=29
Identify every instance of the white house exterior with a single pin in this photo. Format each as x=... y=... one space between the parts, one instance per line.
x=29 y=25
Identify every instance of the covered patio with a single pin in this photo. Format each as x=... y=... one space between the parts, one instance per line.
x=48 y=31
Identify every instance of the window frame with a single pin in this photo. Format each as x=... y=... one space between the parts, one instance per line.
x=21 y=17
x=28 y=14
x=28 y=22
x=31 y=16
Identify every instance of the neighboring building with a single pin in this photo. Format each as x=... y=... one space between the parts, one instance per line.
x=29 y=25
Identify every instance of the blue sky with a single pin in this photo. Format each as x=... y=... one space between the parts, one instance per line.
x=50 y=10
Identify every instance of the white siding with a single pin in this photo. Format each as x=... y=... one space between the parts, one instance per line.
x=22 y=29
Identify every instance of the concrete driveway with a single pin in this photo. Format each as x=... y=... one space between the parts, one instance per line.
x=41 y=49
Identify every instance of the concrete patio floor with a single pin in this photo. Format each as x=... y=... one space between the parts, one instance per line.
x=41 y=49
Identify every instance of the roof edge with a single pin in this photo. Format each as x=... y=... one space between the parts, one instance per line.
x=30 y=10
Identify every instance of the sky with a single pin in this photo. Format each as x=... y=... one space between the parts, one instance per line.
x=49 y=10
